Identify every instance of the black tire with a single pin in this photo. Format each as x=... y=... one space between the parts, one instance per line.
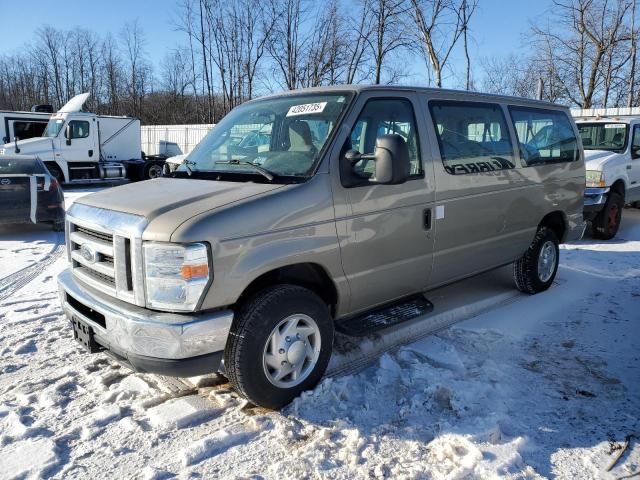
x=252 y=327
x=526 y=273
x=607 y=222
x=151 y=170
x=55 y=171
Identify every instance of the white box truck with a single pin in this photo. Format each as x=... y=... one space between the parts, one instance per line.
x=81 y=147
x=611 y=140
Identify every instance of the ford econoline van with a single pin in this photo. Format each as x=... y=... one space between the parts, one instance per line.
x=357 y=200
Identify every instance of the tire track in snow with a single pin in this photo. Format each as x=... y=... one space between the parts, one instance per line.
x=17 y=280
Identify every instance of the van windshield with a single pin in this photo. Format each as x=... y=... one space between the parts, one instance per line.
x=604 y=136
x=53 y=128
x=281 y=137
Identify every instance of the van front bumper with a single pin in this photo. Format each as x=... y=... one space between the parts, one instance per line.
x=173 y=344
x=595 y=199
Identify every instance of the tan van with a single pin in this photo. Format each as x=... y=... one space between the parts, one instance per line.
x=350 y=201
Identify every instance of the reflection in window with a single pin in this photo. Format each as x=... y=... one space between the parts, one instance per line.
x=472 y=137
x=385 y=117
x=544 y=136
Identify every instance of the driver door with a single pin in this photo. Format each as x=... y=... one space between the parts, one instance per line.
x=385 y=231
x=82 y=146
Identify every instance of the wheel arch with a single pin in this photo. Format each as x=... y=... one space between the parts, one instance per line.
x=308 y=275
x=619 y=186
x=557 y=222
x=62 y=168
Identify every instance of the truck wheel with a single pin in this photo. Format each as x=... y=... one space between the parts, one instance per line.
x=607 y=222
x=279 y=345
x=152 y=170
x=535 y=271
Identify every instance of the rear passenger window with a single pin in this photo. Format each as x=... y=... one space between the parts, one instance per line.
x=473 y=137
x=544 y=136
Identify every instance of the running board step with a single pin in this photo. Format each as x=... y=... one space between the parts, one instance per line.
x=385 y=317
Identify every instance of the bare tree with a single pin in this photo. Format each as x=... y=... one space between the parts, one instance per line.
x=633 y=52
x=390 y=31
x=440 y=25
x=582 y=42
x=133 y=45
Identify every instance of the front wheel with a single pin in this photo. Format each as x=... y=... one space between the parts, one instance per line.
x=607 y=222
x=279 y=345
x=535 y=271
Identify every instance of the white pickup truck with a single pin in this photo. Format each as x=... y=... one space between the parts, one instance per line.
x=611 y=140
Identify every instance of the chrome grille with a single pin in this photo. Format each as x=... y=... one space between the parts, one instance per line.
x=105 y=251
x=106 y=237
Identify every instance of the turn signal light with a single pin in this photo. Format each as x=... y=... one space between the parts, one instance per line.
x=193 y=272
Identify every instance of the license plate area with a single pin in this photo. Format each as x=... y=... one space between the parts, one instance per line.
x=83 y=334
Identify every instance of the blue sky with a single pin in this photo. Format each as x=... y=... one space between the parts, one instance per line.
x=499 y=28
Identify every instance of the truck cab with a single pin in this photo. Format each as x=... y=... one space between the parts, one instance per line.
x=82 y=147
x=612 y=161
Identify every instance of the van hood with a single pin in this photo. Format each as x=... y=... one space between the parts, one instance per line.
x=596 y=159
x=39 y=146
x=166 y=203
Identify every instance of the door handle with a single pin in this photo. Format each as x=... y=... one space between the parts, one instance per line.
x=426 y=218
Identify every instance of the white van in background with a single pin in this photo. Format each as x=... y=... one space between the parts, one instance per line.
x=23 y=125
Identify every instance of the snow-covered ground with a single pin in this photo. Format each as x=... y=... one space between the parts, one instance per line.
x=525 y=387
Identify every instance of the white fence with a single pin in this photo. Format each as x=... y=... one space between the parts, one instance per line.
x=186 y=136
x=606 y=112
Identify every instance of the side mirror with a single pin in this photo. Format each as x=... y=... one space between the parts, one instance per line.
x=635 y=152
x=67 y=134
x=391 y=156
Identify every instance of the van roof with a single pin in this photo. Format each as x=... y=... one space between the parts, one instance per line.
x=468 y=95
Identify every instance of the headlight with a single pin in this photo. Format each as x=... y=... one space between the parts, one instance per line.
x=175 y=275
x=594 y=178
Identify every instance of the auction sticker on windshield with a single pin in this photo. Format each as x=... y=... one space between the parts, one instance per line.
x=306 y=109
x=614 y=125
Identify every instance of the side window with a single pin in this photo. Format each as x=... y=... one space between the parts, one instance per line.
x=24 y=130
x=384 y=117
x=544 y=136
x=635 y=143
x=79 y=128
x=473 y=137
x=636 y=136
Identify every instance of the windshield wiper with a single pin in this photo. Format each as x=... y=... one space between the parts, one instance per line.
x=263 y=171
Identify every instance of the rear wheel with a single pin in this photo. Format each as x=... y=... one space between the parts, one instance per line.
x=152 y=170
x=607 y=222
x=535 y=271
x=279 y=345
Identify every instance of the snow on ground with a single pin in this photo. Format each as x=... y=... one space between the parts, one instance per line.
x=542 y=386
